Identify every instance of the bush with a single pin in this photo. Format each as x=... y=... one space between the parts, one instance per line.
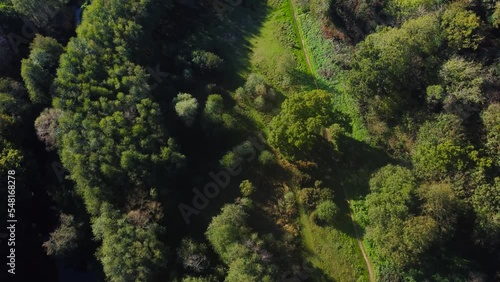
x=311 y=197
x=185 y=107
x=65 y=238
x=193 y=256
x=326 y=211
x=46 y=127
x=247 y=188
x=207 y=61
x=266 y=158
x=461 y=27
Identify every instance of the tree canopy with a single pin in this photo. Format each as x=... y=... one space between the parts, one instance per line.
x=299 y=124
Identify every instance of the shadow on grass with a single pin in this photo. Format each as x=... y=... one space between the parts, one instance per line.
x=311 y=273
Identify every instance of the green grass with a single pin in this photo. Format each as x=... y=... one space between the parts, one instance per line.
x=326 y=54
x=277 y=52
x=334 y=252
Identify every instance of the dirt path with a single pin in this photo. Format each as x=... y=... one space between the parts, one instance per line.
x=356 y=231
x=358 y=238
x=303 y=44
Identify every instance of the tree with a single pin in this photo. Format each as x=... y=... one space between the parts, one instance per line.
x=247 y=188
x=38 y=70
x=46 y=126
x=486 y=203
x=462 y=82
x=491 y=121
x=461 y=27
x=310 y=197
x=144 y=254
x=112 y=137
x=297 y=128
x=326 y=211
x=391 y=66
x=193 y=255
x=248 y=268
x=13 y=100
x=441 y=148
x=10 y=157
x=65 y=238
x=392 y=194
x=236 y=156
x=419 y=233
x=392 y=191
x=199 y=279
x=39 y=12
x=495 y=18
x=214 y=107
x=226 y=229
x=266 y=158
x=206 y=61
x=440 y=203
x=241 y=251
x=400 y=235
x=186 y=107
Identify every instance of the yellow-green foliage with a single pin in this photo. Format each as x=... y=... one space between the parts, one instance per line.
x=405 y=8
x=461 y=27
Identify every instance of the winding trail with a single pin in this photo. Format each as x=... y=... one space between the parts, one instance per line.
x=358 y=238
x=296 y=21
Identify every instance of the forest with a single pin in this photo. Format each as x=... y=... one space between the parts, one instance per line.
x=250 y=140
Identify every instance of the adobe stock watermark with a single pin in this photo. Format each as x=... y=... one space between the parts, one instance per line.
x=59 y=170
x=221 y=180
x=157 y=75
x=29 y=29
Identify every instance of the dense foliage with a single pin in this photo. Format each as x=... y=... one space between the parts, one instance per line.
x=322 y=140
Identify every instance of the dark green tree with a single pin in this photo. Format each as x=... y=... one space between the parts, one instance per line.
x=441 y=148
x=39 y=69
x=298 y=126
x=37 y=11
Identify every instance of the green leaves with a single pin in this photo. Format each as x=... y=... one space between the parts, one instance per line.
x=186 y=107
x=441 y=149
x=298 y=126
x=128 y=252
x=491 y=121
x=242 y=252
x=461 y=27
x=390 y=65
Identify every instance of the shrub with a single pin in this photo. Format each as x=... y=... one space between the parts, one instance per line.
x=310 y=197
x=46 y=127
x=207 y=61
x=326 y=211
x=64 y=239
x=193 y=255
x=247 y=188
x=266 y=158
x=185 y=107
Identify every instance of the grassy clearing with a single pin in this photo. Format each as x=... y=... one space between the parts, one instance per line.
x=277 y=51
x=333 y=251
